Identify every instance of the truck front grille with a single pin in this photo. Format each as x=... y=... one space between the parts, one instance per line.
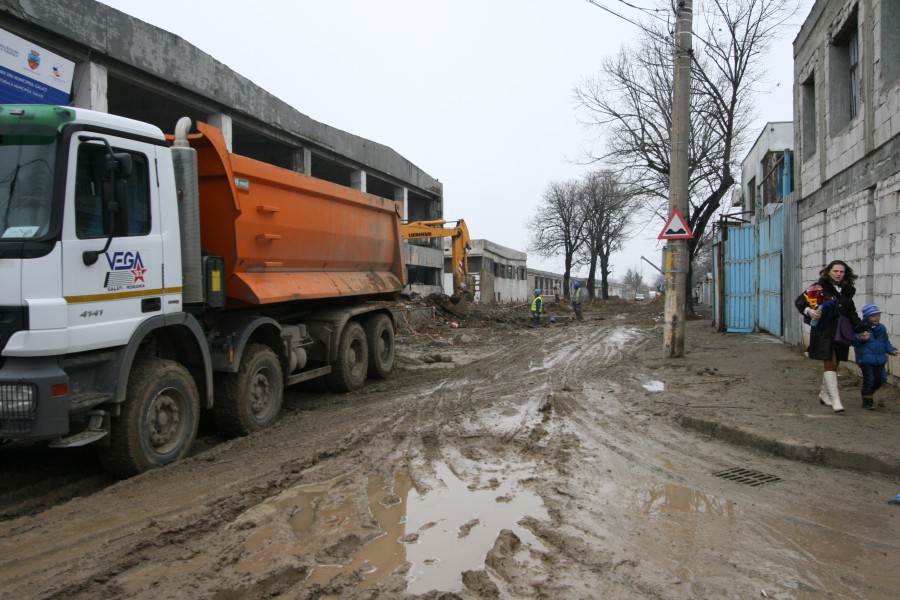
x=18 y=403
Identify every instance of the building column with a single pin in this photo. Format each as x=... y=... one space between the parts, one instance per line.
x=223 y=122
x=358 y=180
x=90 y=87
x=401 y=195
x=303 y=161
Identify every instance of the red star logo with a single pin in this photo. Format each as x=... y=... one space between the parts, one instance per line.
x=138 y=274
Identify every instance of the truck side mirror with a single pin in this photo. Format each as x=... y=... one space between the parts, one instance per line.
x=115 y=207
x=123 y=165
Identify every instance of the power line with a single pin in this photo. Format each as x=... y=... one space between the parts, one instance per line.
x=615 y=14
x=640 y=26
x=649 y=11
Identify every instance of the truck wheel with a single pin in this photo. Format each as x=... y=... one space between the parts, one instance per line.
x=249 y=400
x=348 y=372
x=380 y=337
x=158 y=422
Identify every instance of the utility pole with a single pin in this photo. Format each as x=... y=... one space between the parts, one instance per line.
x=677 y=262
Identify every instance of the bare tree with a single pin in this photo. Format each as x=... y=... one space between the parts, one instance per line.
x=633 y=279
x=631 y=101
x=557 y=226
x=608 y=209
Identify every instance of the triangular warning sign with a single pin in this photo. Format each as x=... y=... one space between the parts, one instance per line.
x=676 y=228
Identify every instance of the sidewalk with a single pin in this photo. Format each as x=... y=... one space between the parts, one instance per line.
x=754 y=390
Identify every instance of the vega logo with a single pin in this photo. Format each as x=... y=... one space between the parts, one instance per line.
x=126 y=271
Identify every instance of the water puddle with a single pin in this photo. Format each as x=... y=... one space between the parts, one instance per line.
x=671 y=498
x=380 y=557
x=458 y=524
x=443 y=532
x=655 y=386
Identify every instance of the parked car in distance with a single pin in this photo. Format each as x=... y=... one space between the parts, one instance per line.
x=639 y=297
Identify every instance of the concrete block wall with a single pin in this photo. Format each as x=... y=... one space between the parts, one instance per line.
x=864 y=231
x=846 y=232
x=886 y=98
x=812 y=248
x=845 y=147
x=848 y=189
x=886 y=279
x=887 y=114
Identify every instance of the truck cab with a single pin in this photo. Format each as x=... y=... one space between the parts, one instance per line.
x=83 y=239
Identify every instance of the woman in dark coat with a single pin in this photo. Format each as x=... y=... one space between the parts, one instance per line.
x=821 y=304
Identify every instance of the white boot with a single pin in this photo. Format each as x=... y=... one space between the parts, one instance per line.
x=834 y=393
x=824 y=398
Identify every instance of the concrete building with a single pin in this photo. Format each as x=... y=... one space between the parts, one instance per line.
x=847 y=135
x=549 y=283
x=499 y=272
x=761 y=178
x=127 y=67
x=546 y=282
x=617 y=290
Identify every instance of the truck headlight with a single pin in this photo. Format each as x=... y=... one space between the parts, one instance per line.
x=17 y=400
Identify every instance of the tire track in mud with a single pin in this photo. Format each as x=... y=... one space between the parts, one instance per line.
x=544 y=369
x=229 y=479
x=488 y=411
x=198 y=513
x=518 y=378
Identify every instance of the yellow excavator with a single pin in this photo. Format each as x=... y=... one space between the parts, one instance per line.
x=459 y=250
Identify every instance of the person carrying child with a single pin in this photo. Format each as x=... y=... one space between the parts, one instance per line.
x=822 y=304
x=871 y=354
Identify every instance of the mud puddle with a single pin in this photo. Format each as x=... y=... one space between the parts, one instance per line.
x=440 y=533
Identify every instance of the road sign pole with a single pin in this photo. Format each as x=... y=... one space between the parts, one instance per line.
x=676 y=277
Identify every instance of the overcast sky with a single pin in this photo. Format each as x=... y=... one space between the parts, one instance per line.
x=477 y=93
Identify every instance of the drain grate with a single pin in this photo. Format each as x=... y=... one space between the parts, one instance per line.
x=747 y=476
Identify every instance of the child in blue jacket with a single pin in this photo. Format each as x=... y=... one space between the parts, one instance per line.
x=871 y=354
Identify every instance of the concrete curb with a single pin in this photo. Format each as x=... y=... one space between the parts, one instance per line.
x=793 y=449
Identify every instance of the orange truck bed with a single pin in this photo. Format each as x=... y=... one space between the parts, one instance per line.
x=286 y=236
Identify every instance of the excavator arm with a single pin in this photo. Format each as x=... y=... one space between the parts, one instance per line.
x=460 y=246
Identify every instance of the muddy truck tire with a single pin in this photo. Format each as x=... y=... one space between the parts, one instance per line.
x=158 y=422
x=249 y=400
x=349 y=370
x=382 y=348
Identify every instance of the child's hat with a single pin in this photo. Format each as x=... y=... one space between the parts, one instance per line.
x=870 y=309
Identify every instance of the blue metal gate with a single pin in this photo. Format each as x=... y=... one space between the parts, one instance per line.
x=771 y=249
x=740 y=278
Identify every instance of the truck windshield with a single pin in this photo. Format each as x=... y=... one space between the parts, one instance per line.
x=26 y=186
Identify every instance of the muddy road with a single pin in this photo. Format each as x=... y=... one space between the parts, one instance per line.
x=499 y=461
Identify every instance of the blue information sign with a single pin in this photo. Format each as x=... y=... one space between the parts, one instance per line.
x=31 y=75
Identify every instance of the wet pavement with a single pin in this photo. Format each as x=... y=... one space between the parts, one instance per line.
x=763 y=393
